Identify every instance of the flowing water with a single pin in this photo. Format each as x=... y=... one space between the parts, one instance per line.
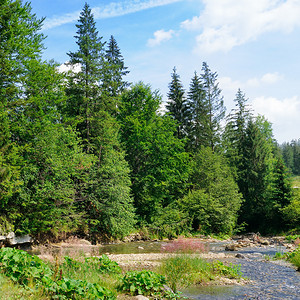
x=269 y=279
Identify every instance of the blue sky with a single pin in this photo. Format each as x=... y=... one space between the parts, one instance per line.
x=252 y=44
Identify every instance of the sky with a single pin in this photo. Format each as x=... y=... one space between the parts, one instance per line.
x=253 y=45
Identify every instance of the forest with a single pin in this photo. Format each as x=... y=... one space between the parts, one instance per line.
x=86 y=153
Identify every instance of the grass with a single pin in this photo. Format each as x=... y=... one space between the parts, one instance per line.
x=72 y=278
x=294 y=258
x=184 y=270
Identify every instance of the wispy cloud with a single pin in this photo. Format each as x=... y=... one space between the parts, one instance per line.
x=160 y=36
x=113 y=9
x=229 y=23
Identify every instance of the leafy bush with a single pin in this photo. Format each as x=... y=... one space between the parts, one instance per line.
x=143 y=282
x=104 y=264
x=22 y=267
x=294 y=258
x=67 y=288
x=231 y=271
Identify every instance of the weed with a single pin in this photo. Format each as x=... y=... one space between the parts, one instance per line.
x=183 y=245
x=143 y=282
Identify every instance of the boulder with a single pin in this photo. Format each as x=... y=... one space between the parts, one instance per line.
x=231 y=247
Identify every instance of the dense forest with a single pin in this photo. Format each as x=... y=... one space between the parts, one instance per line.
x=85 y=152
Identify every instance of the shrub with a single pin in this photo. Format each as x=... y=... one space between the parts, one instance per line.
x=67 y=288
x=143 y=282
x=183 y=270
x=294 y=258
x=104 y=264
x=231 y=271
x=22 y=267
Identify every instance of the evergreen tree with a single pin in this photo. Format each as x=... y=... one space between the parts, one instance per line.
x=215 y=107
x=197 y=126
x=115 y=70
x=177 y=104
x=83 y=89
x=255 y=174
x=106 y=194
x=235 y=132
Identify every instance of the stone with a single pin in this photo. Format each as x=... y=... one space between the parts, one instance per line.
x=264 y=242
x=231 y=247
x=141 y=297
x=239 y=255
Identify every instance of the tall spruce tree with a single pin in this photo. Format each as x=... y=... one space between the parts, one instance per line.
x=83 y=89
x=115 y=70
x=255 y=174
x=106 y=195
x=215 y=106
x=197 y=115
x=235 y=131
x=177 y=104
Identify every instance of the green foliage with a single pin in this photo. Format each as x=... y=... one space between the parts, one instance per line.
x=214 y=107
x=143 y=282
x=291 y=212
x=159 y=165
x=291 y=155
x=294 y=258
x=183 y=270
x=104 y=264
x=231 y=271
x=29 y=270
x=23 y=268
x=214 y=201
x=67 y=288
x=177 y=105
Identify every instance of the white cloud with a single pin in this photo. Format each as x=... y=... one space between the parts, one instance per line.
x=283 y=114
x=229 y=84
x=66 y=67
x=228 y=23
x=160 y=36
x=113 y=9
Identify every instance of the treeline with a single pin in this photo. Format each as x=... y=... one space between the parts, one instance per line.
x=85 y=152
x=291 y=156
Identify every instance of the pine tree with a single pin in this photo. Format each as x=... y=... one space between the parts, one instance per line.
x=83 y=89
x=113 y=82
x=215 y=106
x=197 y=125
x=235 y=131
x=177 y=104
x=255 y=177
x=106 y=194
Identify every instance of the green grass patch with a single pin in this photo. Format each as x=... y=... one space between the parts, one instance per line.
x=184 y=270
x=294 y=258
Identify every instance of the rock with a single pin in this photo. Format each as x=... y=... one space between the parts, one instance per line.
x=264 y=242
x=141 y=297
x=140 y=247
x=12 y=239
x=239 y=255
x=231 y=247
